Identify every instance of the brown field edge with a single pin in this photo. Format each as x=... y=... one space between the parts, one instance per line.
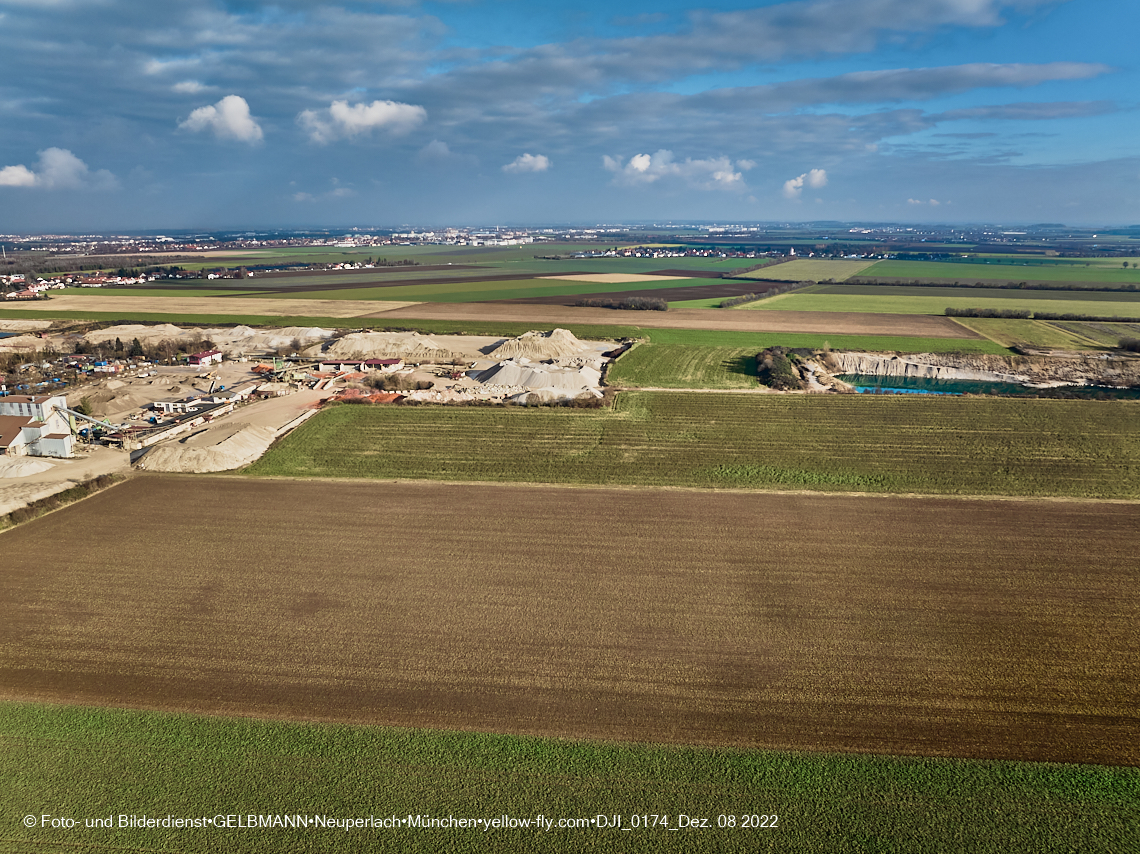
x=811 y=322
x=916 y=626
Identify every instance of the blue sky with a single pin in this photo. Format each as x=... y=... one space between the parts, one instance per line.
x=129 y=114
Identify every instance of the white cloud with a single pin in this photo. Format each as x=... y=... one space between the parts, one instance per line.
x=528 y=163
x=435 y=150
x=342 y=120
x=794 y=187
x=190 y=87
x=17 y=176
x=228 y=119
x=932 y=202
x=718 y=173
x=58 y=169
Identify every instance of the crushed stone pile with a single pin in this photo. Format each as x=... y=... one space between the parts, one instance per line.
x=522 y=373
x=239 y=448
x=556 y=344
x=409 y=346
x=23 y=467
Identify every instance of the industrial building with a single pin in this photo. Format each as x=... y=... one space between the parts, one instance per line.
x=35 y=426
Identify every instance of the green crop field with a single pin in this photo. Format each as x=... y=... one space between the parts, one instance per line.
x=1039 y=333
x=760 y=340
x=493 y=290
x=1030 y=295
x=973 y=446
x=970 y=271
x=895 y=304
x=811 y=270
x=86 y=763
x=1105 y=334
x=686 y=366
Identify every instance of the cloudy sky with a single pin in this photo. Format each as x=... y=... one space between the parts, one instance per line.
x=197 y=114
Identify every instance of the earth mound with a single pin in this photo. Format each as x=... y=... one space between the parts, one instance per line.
x=556 y=344
x=409 y=346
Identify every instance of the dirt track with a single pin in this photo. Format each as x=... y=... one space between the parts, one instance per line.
x=912 y=626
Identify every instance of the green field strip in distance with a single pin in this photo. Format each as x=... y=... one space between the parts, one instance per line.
x=454 y=292
x=938 y=305
x=1039 y=333
x=969 y=272
x=98 y=763
x=931 y=292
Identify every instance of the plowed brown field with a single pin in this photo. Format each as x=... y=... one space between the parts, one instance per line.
x=895 y=625
x=816 y=322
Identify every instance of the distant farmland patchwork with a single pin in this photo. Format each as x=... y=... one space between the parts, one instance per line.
x=889 y=300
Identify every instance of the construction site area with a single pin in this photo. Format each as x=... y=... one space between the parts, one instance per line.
x=221 y=408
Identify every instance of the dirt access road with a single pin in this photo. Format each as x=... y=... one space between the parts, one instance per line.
x=794 y=621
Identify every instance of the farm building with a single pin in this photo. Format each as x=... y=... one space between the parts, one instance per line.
x=35 y=426
x=208 y=357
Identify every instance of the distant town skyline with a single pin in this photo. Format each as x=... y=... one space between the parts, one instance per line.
x=126 y=115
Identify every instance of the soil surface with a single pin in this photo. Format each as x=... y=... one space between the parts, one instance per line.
x=792 y=621
x=727 y=288
x=821 y=322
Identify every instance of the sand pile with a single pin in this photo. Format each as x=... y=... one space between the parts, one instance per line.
x=556 y=344
x=409 y=346
x=22 y=344
x=23 y=325
x=526 y=375
x=127 y=332
x=244 y=339
x=232 y=341
x=22 y=467
x=243 y=443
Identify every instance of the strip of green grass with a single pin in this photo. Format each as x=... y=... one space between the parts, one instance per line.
x=969 y=271
x=1040 y=333
x=686 y=366
x=85 y=763
x=1105 y=334
x=712 y=302
x=453 y=292
x=1029 y=296
x=870 y=343
x=900 y=444
x=894 y=304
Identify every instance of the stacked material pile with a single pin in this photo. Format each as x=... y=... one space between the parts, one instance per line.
x=244 y=444
x=22 y=466
x=556 y=344
x=409 y=346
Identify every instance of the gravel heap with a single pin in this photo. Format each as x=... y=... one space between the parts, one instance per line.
x=556 y=344
x=242 y=447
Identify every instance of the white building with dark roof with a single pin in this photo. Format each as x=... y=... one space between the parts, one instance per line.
x=35 y=426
